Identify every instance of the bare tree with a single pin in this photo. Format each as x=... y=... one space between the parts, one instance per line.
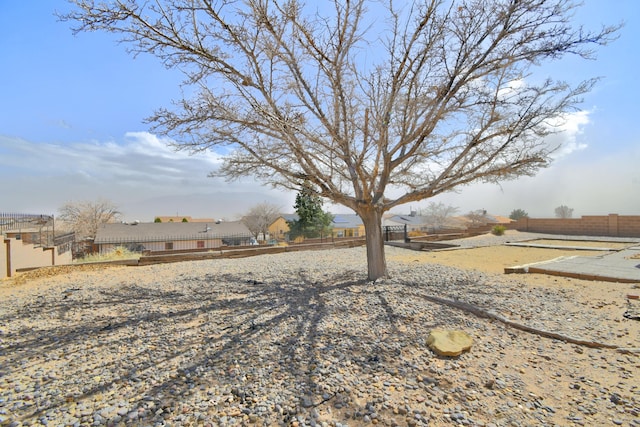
x=362 y=99
x=438 y=214
x=477 y=217
x=563 y=211
x=84 y=218
x=260 y=217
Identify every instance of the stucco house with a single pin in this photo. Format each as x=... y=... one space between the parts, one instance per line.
x=279 y=228
x=347 y=225
x=343 y=225
x=171 y=236
x=413 y=222
x=181 y=219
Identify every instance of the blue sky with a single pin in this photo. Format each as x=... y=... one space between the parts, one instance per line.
x=72 y=111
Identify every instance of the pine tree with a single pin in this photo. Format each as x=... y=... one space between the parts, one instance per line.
x=312 y=220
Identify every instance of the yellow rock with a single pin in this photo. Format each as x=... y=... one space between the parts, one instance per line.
x=449 y=342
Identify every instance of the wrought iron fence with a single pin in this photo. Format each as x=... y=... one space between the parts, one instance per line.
x=163 y=243
x=15 y=221
x=395 y=232
x=64 y=242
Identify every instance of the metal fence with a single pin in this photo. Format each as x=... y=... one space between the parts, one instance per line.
x=395 y=232
x=38 y=230
x=64 y=242
x=16 y=221
x=164 y=243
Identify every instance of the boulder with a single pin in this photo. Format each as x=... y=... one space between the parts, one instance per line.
x=449 y=342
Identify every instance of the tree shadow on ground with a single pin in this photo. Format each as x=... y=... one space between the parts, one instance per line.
x=222 y=349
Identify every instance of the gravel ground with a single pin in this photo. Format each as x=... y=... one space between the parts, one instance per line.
x=299 y=339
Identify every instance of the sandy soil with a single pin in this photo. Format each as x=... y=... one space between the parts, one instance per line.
x=606 y=299
x=490 y=259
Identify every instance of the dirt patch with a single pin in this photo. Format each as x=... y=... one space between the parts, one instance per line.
x=8 y=285
x=492 y=259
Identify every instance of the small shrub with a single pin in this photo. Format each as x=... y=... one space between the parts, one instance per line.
x=498 y=230
x=119 y=253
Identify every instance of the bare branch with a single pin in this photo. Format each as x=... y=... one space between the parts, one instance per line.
x=360 y=98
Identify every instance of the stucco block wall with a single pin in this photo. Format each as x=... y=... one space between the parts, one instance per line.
x=15 y=254
x=61 y=259
x=588 y=225
x=3 y=257
x=629 y=226
x=28 y=256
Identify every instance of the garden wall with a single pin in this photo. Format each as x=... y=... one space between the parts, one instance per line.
x=589 y=225
x=17 y=255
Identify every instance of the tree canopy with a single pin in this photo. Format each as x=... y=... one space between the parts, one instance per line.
x=516 y=214
x=260 y=217
x=377 y=104
x=563 y=211
x=84 y=218
x=312 y=220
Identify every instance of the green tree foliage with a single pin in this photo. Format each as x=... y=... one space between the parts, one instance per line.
x=516 y=214
x=498 y=230
x=312 y=221
x=157 y=219
x=185 y=220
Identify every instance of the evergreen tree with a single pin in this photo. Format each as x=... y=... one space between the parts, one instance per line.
x=516 y=214
x=312 y=220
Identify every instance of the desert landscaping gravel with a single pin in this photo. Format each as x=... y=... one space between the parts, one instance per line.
x=301 y=339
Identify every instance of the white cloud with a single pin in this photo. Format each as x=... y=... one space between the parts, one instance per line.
x=512 y=88
x=142 y=167
x=568 y=128
x=590 y=184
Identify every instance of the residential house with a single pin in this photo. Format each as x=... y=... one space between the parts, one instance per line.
x=343 y=225
x=172 y=236
x=347 y=225
x=182 y=219
x=426 y=224
x=413 y=221
x=279 y=229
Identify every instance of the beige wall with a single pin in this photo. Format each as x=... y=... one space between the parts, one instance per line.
x=278 y=229
x=592 y=225
x=21 y=255
x=3 y=257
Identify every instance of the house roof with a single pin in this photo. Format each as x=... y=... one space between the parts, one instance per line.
x=164 y=231
x=500 y=219
x=339 y=220
x=346 y=221
x=407 y=219
x=180 y=218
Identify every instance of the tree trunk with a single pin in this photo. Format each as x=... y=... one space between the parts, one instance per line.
x=376 y=261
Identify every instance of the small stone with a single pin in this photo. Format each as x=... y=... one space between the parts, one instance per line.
x=449 y=342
